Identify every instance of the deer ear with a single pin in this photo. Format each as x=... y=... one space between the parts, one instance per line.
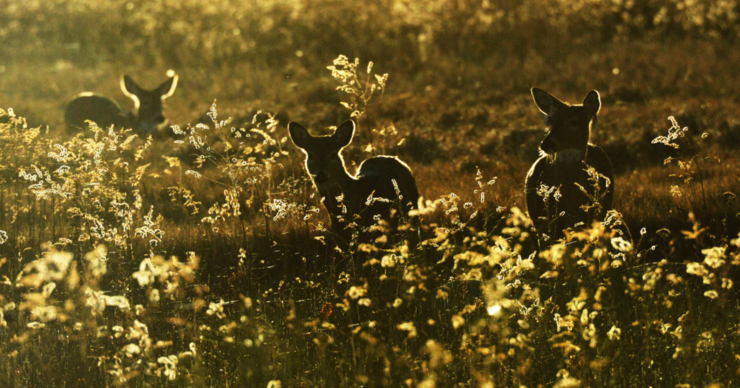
x=592 y=103
x=345 y=132
x=167 y=88
x=543 y=100
x=298 y=134
x=129 y=87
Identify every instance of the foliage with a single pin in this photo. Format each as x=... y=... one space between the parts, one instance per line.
x=202 y=258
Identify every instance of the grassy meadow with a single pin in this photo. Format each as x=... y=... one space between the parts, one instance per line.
x=202 y=256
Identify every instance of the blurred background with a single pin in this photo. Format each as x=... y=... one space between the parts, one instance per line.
x=456 y=107
x=241 y=52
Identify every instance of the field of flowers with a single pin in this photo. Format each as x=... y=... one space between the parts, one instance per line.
x=202 y=255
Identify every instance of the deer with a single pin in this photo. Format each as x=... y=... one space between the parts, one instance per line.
x=146 y=118
x=572 y=183
x=378 y=182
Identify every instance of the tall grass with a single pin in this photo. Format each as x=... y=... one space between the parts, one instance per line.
x=203 y=258
x=249 y=290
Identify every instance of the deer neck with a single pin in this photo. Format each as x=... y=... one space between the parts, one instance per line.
x=342 y=185
x=340 y=196
x=569 y=157
x=567 y=165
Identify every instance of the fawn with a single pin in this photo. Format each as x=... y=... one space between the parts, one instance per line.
x=561 y=190
x=146 y=118
x=379 y=180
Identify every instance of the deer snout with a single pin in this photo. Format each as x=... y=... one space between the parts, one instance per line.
x=153 y=124
x=147 y=127
x=548 y=145
x=321 y=177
